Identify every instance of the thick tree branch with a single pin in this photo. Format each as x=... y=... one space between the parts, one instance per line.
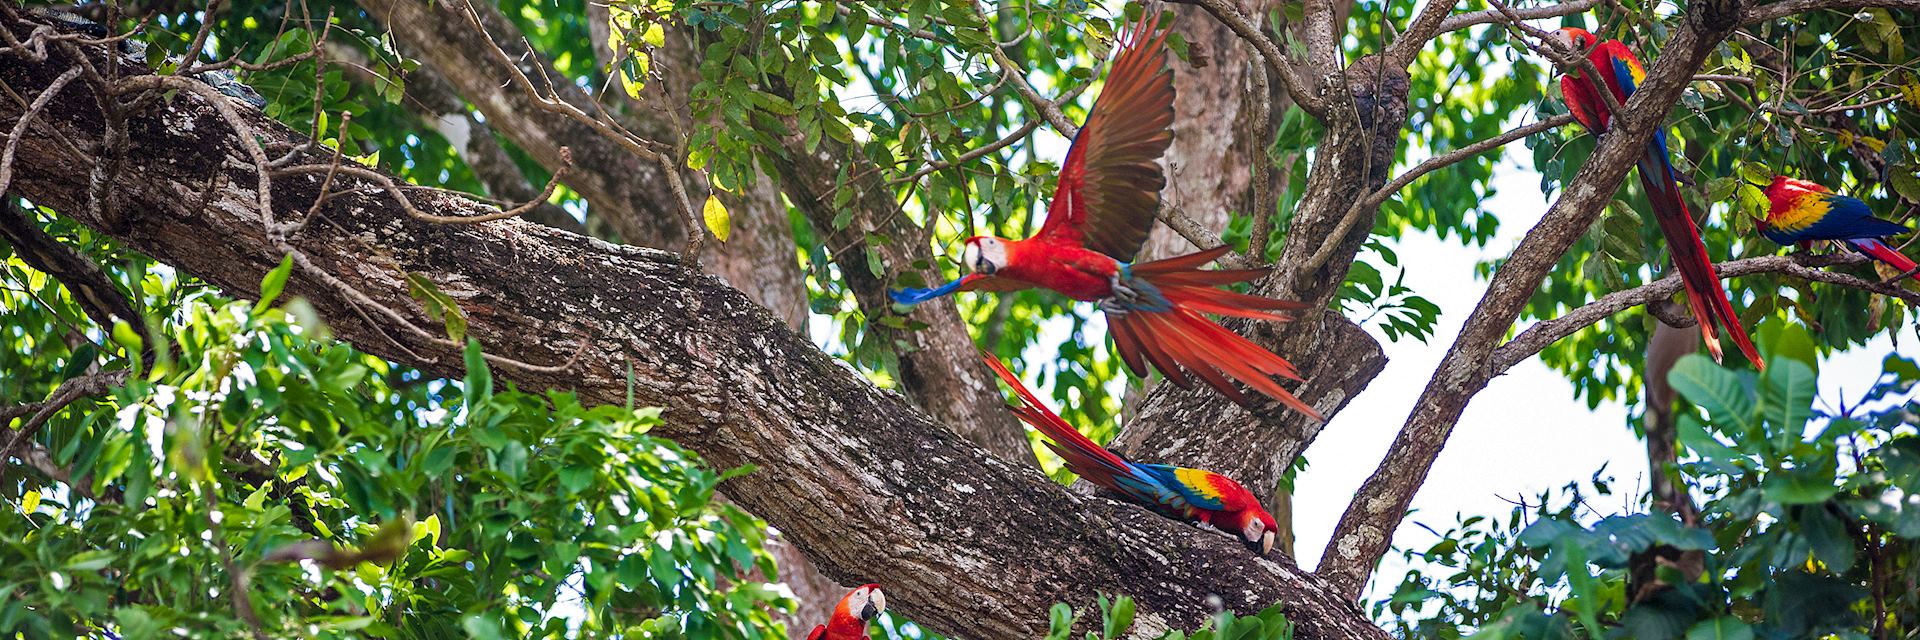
x=1365 y=531
x=1803 y=266
x=867 y=485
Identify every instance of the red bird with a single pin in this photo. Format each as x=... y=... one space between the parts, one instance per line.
x=1804 y=212
x=1201 y=497
x=849 y=621
x=1621 y=73
x=1103 y=207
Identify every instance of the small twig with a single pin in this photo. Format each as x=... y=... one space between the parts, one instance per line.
x=340 y=145
x=406 y=204
x=1018 y=133
x=1716 y=77
x=1048 y=109
x=1264 y=205
x=1460 y=21
x=26 y=119
x=1302 y=92
x=1564 y=57
x=1381 y=195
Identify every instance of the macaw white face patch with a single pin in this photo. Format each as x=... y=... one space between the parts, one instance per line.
x=985 y=255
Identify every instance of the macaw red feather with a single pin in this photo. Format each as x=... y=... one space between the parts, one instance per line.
x=1881 y=251
x=1109 y=186
x=1083 y=456
x=1706 y=297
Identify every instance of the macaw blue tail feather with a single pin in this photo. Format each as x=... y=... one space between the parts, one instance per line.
x=911 y=296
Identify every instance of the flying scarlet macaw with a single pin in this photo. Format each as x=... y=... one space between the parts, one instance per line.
x=849 y=621
x=1103 y=207
x=1621 y=73
x=1804 y=212
x=1200 y=497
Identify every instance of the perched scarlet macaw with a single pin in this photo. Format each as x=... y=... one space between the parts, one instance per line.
x=1804 y=212
x=1103 y=207
x=1621 y=73
x=1200 y=497
x=849 y=621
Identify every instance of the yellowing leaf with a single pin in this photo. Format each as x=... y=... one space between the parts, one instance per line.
x=30 y=502
x=718 y=221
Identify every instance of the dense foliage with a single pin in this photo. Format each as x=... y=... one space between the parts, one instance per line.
x=255 y=473
x=1808 y=526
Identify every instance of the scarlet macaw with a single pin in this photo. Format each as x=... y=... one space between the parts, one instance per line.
x=849 y=621
x=1804 y=212
x=1621 y=73
x=1103 y=207
x=1196 y=496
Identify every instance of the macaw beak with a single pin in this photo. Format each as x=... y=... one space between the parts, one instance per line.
x=1266 y=543
x=875 y=604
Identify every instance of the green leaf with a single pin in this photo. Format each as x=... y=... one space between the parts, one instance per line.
x=479 y=380
x=1800 y=485
x=273 y=284
x=1714 y=388
x=438 y=305
x=1788 y=401
x=1721 y=628
x=89 y=561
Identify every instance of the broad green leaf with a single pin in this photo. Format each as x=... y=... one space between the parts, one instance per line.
x=1800 y=485
x=273 y=284
x=1715 y=389
x=1721 y=628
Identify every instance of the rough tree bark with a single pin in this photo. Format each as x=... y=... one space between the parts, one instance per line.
x=870 y=487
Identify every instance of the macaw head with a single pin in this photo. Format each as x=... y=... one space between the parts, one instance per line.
x=985 y=254
x=1577 y=38
x=1255 y=526
x=1259 y=530
x=864 y=603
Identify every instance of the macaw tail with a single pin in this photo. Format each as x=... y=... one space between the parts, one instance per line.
x=1705 y=295
x=1883 y=252
x=1086 y=459
x=1170 y=332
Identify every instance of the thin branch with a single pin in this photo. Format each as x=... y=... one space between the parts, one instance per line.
x=1020 y=132
x=20 y=127
x=1777 y=10
x=1048 y=109
x=1431 y=22
x=1460 y=21
x=1265 y=207
x=1381 y=195
x=1716 y=77
x=1567 y=59
x=1302 y=92
x=406 y=204
x=1803 y=266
